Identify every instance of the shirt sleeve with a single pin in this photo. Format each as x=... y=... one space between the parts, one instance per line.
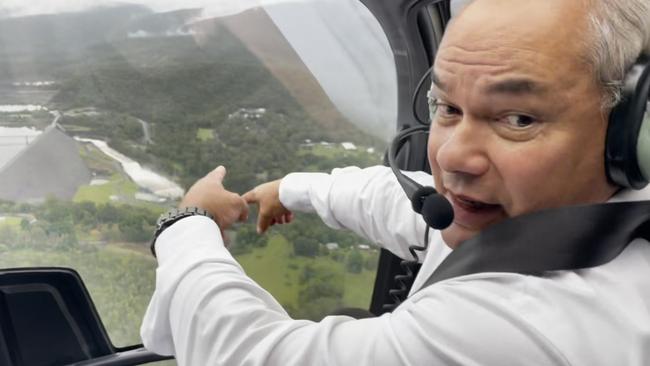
x=206 y=311
x=368 y=201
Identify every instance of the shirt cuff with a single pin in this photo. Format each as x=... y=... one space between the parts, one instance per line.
x=296 y=188
x=191 y=239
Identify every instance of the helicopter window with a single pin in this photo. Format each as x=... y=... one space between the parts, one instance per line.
x=458 y=5
x=110 y=112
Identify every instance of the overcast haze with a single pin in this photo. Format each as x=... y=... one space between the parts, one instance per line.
x=14 y=8
x=338 y=40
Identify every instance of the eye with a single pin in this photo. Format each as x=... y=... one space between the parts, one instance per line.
x=518 y=121
x=443 y=110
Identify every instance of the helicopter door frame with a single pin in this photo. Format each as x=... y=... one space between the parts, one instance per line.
x=414 y=29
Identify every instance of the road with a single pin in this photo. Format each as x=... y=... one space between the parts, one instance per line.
x=145 y=130
x=146 y=139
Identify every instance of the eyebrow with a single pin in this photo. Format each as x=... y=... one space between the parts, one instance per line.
x=517 y=86
x=435 y=79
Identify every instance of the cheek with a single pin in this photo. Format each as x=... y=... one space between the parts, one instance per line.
x=551 y=173
x=524 y=175
x=436 y=139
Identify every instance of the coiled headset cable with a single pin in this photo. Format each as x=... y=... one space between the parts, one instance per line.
x=404 y=281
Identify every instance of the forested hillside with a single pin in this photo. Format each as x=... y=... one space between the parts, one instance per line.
x=207 y=99
x=181 y=85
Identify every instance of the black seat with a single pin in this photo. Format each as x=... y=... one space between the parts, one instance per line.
x=47 y=318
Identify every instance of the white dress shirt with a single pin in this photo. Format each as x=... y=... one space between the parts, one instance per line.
x=206 y=311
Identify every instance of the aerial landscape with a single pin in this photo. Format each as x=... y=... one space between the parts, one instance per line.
x=108 y=116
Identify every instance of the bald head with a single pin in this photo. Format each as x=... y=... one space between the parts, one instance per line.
x=610 y=35
x=560 y=27
x=544 y=40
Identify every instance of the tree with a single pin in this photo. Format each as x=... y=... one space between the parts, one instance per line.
x=8 y=235
x=322 y=292
x=306 y=247
x=372 y=261
x=247 y=236
x=354 y=264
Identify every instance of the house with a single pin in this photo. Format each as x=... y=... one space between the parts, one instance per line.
x=332 y=246
x=252 y=114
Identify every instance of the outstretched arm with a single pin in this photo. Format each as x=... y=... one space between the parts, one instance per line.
x=368 y=201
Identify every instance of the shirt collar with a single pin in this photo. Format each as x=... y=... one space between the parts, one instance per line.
x=631 y=195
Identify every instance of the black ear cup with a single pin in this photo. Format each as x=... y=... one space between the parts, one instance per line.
x=627 y=150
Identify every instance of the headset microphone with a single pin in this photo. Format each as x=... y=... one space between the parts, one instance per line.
x=434 y=208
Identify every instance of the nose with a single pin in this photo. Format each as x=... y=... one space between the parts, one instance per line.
x=460 y=149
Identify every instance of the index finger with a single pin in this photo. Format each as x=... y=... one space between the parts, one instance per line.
x=250 y=196
x=243 y=216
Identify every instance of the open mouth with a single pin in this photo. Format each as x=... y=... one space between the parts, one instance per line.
x=473 y=214
x=472 y=205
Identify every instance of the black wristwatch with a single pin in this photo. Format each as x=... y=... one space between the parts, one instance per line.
x=168 y=218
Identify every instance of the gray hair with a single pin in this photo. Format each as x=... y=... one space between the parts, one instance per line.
x=621 y=33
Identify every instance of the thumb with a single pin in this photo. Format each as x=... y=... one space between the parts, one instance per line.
x=219 y=173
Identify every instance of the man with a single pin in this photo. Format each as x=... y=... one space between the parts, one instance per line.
x=523 y=89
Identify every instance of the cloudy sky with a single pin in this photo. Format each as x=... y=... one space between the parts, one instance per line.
x=212 y=7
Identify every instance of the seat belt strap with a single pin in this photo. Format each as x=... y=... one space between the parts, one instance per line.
x=566 y=238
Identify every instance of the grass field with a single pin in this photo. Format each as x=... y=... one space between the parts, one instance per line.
x=121 y=278
x=276 y=269
x=205 y=134
x=118 y=185
x=11 y=221
x=97 y=161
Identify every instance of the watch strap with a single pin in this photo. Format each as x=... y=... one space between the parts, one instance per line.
x=173 y=215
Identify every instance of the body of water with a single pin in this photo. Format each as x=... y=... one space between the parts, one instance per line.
x=13 y=140
x=15 y=108
x=145 y=178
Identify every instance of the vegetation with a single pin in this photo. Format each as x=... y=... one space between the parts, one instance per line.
x=37 y=119
x=297 y=281
x=189 y=95
x=120 y=282
x=193 y=115
x=118 y=185
x=93 y=239
x=205 y=134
